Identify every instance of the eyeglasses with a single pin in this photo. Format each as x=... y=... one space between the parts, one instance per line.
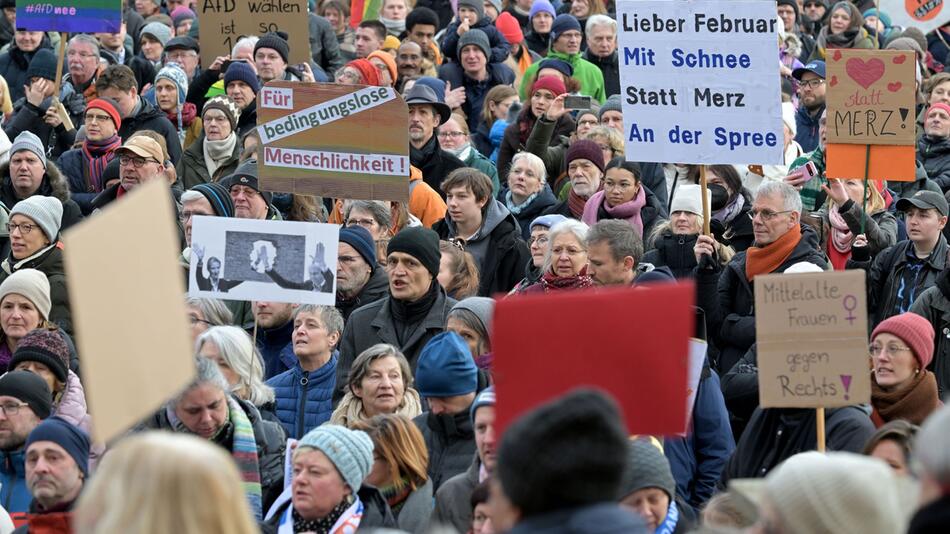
x=194 y=321
x=135 y=161
x=365 y=223
x=24 y=228
x=92 y=117
x=11 y=409
x=892 y=348
x=588 y=122
x=451 y=135
x=767 y=215
x=567 y=250
x=811 y=84
x=811 y=5
x=540 y=240
x=185 y=215
x=83 y=55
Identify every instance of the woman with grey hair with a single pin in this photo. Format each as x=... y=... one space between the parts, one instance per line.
x=528 y=194
x=205 y=313
x=375 y=216
x=241 y=365
x=932 y=452
x=565 y=260
x=206 y=408
x=380 y=382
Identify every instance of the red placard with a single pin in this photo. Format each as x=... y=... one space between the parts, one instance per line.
x=631 y=342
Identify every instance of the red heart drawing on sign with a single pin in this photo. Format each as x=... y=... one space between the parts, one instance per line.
x=894 y=87
x=834 y=81
x=865 y=73
x=899 y=59
x=837 y=55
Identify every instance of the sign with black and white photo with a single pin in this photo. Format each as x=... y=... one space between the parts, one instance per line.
x=277 y=261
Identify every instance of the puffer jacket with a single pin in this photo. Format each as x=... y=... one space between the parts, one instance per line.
x=934 y=305
x=15 y=497
x=191 y=170
x=54 y=184
x=934 y=154
x=305 y=399
x=675 y=252
x=450 y=440
x=50 y=262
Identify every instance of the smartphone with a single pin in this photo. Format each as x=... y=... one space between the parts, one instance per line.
x=810 y=170
x=577 y=102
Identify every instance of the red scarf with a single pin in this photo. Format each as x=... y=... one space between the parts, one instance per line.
x=576 y=204
x=764 y=260
x=553 y=282
x=96 y=155
x=188 y=114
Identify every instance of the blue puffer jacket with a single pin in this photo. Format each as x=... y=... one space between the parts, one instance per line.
x=14 y=495
x=305 y=400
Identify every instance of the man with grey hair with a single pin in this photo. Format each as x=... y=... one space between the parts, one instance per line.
x=79 y=86
x=780 y=242
x=601 y=32
x=932 y=452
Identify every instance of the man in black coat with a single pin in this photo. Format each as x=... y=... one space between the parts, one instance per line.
x=426 y=114
x=29 y=173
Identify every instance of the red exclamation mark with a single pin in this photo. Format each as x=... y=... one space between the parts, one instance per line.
x=846 y=382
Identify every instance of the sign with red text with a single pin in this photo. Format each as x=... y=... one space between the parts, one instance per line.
x=812 y=339
x=871 y=97
x=331 y=140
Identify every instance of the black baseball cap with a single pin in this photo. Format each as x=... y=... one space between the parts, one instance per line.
x=925 y=200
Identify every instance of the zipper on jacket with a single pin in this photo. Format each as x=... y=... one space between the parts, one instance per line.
x=301 y=407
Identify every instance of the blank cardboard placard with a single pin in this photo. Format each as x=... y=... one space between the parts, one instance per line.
x=128 y=305
x=631 y=342
x=894 y=163
x=811 y=331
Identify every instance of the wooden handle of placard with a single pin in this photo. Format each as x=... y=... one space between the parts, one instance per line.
x=703 y=192
x=59 y=64
x=820 y=420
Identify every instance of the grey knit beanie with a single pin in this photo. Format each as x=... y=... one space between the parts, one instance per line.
x=647 y=467
x=351 y=451
x=47 y=212
x=29 y=141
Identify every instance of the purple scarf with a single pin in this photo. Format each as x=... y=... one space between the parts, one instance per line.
x=629 y=211
x=95 y=156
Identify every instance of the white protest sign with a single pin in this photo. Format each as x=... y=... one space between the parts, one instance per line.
x=925 y=15
x=278 y=261
x=699 y=81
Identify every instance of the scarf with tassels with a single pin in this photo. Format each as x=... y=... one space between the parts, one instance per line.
x=96 y=155
x=184 y=115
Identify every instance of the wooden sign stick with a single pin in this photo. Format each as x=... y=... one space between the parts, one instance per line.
x=820 y=420
x=704 y=194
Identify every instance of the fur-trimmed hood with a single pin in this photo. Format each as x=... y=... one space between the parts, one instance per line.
x=54 y=184
x=791 y=43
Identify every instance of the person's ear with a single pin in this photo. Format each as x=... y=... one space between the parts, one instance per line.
x=629 y=262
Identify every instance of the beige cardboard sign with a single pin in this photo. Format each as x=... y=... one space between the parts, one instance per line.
x=222 y=23
x=127 y=301
x=331 y=140
x=871 y=97
x=811 y=334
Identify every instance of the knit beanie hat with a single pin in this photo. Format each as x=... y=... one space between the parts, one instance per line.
x=508 y=25
x=226 y=105
x=688 y=198
x=912 y=329
x=29 y=388
x=110 y=107
x=611 y=104
x=360 y=239
x=585 y=149
x=391 y=42
x=916 y=35
x=446 y=368
x=557 y=64
x=47 y=212
x=242 y=71
x=246 y=174
x=219 y=198
x=181 y=14
x=173 y=73
x=552 y=83
x=386 y=58
x=647 y=467
x=547 y=221
x=159 y=31
x=276 y=41
x=31 y=284
x=881 y=16
x=350 y=451
x=792 y=3
x=563 y=23
x=569 y=452
x=71 y=438
x=481 y=307
x=539 y=6
x=485 y=398
x=476 y=5
x=28 y=140
x=43 y=65
x=43 y=346
x=475 y=37
x=938 y=105
x=367 y=71
x=420 y=243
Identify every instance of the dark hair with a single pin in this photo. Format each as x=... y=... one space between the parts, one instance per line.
x=344 y=9
x=422 y=15
x=376 y=26
x=727 y=173
x=900 y=432
x=116 y=76
x=475 y=180
x=214 y=259
x=620 y=163
x=480 y=494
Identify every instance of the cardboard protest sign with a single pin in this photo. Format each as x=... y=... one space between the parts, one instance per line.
x=925 y=15
x=888 y=162
x=126 y=296
x=699 y=82
x=278 y=261
x=224 y=22
x=331 y=140
x=811 y=331
x=69 y=15
x=871 y=97
x=632 y=343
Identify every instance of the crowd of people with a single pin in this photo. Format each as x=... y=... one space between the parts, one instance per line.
x=378 y=413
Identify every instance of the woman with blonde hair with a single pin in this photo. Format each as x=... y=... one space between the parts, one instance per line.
x=240 y=363
x=400 y=461
x=193 y=488
x=458 y=272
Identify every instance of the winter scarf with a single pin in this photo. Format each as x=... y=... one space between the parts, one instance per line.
x=764 y=260
x=346 y=520
x=11 y=265
x=845 y=39
x=575 y=203
x=217 y=152
x=5 y=354
x=668 y=526
x=463 y=152
x=95 y=156
x=597 y=209
x=516 y=209
x=729 y=212
x=183 y=116
x=840 y=241
x=410 y=314
x=913 y=403
x=350 y=410
x=553 y=282
x=396 y=496
x=525 y=124
x=394 y=27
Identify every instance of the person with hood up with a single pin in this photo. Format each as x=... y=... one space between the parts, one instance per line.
x=623 y=195
x=85 y=167
x=471 y=16
x=527 y=194
x=649 y=489
x=565 y=260
x=492 y=235
x=216 y=153
x=566 y=39
x=845 y=29
x=171 y=88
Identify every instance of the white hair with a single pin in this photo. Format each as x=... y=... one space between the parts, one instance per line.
x=600 y=20
x=191 y=196
x=239 y=353
x=533 y=161
x=244 y=42
x=932 y=448
x=571 y=226
x=791 y=199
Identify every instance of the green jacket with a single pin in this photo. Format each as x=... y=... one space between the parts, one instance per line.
x=812 y=189
x=477 y=161
x=590 y=76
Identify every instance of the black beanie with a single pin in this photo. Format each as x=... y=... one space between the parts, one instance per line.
x=420 y=243
x=792 y=3
x=567 y=453
x=43 y=65
x=275 y=41
x=29 y=388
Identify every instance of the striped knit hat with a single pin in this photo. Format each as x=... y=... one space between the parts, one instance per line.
x=219 y=198
x=226 y=105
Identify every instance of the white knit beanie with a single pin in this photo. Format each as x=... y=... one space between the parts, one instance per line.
x=32 y=285
x=47 y=212
x=688 y=198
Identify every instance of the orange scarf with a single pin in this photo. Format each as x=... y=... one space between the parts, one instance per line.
x=764 y=260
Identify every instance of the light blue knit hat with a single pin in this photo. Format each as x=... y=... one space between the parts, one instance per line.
x=351 y=451
x=173 y=73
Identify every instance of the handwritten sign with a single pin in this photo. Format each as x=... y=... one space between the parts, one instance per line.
x=70 y=15
x=871 y=97
x=699 y=81
x=224 y=22
x=925 y=15
x=341 y=141
x=811 y=331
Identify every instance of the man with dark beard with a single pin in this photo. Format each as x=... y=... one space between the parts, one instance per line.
x=811 y=79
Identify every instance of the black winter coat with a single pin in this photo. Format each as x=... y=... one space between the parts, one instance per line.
x=610 y=67
x=434 y=163
x=738 y=234
x=932 y=518
x=28 y=117
x=150 y=117
x=54 y=184
x=934 y=305
x=740 y=390
x=675 y=252
x=537 y=42
x=450 y=440
x=324 y=48
x=13 y=65
x=376 y=288
x=499 y=45
x=544 y=201
x=934 y=154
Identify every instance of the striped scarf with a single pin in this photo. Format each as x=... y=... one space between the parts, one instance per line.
x=95 y=156
x=244 y=452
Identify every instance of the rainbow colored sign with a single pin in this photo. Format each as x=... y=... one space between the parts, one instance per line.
x=73 y=16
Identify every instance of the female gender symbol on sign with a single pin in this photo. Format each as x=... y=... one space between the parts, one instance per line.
x=850 y=302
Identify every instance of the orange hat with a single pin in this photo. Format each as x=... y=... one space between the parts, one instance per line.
x=386 y=58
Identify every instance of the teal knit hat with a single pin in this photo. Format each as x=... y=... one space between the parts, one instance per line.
x=350 y=451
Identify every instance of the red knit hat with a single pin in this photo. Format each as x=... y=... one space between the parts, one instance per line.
x=914 y=330
x=508 y=25
x=367 y=71
x=938 y=105
x=109 y=106
x=552 y=83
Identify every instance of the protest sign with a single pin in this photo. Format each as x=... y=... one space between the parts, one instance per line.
x=925 y=15
x=811 y=334
x=72 y=16
x=699 y=81
x=123 y=264
x=224 y=22
x=885 y=162
x=330 y=140
x=632 y=343
x=278 y=261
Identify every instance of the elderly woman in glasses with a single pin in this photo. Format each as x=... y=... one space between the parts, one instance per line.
x=902 y=347
x=565 y=259
x=205 y=313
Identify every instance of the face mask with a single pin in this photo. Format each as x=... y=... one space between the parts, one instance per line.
x=720 y=197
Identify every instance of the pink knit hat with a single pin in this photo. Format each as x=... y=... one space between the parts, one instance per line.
x=939 y=105
x=914 y=330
